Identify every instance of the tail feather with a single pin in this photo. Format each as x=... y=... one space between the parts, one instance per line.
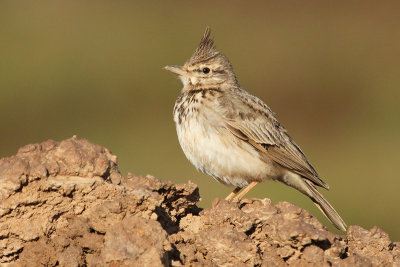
x=308 y=188
x=325 y=207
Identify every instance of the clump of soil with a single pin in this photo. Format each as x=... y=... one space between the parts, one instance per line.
x=66 y=204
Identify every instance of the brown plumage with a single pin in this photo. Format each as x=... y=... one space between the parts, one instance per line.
x=205 y=50
x=233 y=136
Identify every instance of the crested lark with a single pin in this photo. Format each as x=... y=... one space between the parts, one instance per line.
x=233 y=136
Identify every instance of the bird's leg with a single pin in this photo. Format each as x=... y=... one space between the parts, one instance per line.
x=233 y=194
x=245 y=190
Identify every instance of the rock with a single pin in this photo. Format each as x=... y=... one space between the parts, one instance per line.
x=66 y=204
x=135 y=241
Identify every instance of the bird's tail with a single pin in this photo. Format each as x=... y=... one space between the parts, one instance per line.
x=325 y=207
x=309 y=189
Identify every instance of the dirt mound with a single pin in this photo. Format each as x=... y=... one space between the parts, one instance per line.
x=66 y=204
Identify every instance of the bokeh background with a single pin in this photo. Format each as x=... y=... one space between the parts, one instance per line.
x=330 y=70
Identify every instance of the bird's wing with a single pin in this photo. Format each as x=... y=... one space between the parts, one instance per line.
x=249 y=119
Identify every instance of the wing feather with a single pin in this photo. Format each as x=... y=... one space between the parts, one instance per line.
x=258 y=126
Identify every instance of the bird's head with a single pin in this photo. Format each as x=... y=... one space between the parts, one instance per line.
x=206 y=68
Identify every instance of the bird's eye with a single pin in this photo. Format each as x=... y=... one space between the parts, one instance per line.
x=206 y=70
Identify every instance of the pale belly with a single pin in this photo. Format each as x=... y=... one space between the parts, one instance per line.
x=214 y=150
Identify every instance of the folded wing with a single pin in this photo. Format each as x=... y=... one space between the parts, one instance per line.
x=266 y=134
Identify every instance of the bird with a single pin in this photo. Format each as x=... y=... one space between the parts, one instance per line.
x=233 y=136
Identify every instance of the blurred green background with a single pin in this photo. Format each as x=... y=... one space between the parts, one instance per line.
x=330 y=71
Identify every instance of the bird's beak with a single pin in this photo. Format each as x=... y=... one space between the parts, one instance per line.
x=176 y=69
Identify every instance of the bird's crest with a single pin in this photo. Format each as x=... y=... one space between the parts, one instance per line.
x=206 y=48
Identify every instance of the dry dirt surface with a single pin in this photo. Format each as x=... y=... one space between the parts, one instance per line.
x=66 y=204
